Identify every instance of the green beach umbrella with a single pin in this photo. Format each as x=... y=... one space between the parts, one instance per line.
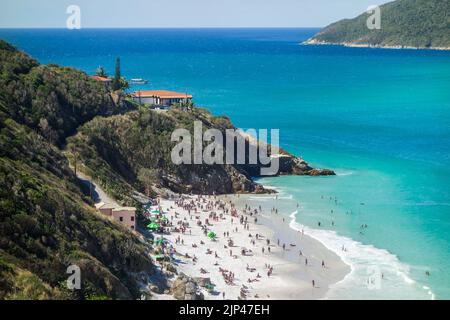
x=211 y=235
x=164 y=219
x=153 y=226
x=209 y=286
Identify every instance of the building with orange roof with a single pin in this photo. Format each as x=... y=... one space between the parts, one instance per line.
x=106 y=81
x=163 y=98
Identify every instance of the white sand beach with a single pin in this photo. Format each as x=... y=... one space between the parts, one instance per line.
x=247 y=276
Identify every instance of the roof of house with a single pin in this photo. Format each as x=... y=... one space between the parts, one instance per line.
x=124 y=209
x=163 y=94
x=102 y=205
x=102 y=79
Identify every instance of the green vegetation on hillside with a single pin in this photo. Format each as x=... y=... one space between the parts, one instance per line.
x=117 y=150
x=404 y=23
x=47 y=222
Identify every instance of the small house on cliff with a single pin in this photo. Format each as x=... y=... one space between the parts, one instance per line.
x=124 y=215
x=160 y=98
x=106 y=81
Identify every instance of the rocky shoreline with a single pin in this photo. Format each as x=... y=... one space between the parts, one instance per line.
x=366 y=45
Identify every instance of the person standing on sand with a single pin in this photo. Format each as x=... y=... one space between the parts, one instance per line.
x=313 y=283
x=306 y=261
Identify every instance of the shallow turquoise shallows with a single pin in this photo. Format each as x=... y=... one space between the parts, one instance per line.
x=379 y=118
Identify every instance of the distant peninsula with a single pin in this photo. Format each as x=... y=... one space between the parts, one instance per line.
x=417 y=24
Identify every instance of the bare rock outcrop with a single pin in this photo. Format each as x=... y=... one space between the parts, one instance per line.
x=186 y=288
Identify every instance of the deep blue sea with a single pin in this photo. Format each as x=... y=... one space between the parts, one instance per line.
x=380 y=118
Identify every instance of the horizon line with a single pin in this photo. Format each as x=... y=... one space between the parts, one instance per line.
x=140 y=28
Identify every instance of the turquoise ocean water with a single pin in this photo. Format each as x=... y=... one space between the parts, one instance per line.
x=379 y=118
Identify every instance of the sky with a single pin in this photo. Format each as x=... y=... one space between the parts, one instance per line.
x=180 y=13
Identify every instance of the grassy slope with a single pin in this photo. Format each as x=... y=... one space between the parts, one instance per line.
x=46 y=221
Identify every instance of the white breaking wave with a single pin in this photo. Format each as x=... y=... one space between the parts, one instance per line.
x=343 y=172
x=375 y=273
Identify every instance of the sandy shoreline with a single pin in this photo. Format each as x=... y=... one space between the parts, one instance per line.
x=291 y=278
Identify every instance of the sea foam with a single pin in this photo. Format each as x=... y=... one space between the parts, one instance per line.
x=375 y=273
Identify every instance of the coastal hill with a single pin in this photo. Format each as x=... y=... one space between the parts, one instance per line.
x=133 y=151
x=47 y=220
x=404 y=24
x=57 y=120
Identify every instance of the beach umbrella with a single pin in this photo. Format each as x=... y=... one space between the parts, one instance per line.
x=209 y=286
x=159 y=257
x=211 y=235
x=153 y=226
x=164 y=219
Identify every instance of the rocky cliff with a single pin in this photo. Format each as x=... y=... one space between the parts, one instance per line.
x=134 y=149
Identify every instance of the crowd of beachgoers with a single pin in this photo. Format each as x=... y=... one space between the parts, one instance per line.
x=208 y=236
